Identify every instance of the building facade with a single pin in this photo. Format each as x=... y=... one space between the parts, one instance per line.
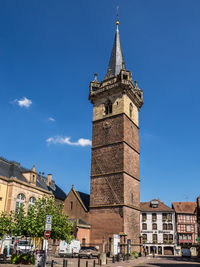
x=158 y=228
x=19 y=185
x=186 y=225
x=115 y=179
x=76 y=207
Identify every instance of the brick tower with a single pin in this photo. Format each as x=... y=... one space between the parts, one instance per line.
x=115 y=180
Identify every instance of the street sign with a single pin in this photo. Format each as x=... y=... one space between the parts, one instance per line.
x=48 y=226
x=48 y=219
x=47 y=234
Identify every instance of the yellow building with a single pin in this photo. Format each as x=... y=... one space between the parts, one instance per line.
x=19 y=185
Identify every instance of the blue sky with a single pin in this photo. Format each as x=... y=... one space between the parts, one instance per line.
x=49 y=51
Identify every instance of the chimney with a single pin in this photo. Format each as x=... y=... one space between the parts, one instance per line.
x=49 y=179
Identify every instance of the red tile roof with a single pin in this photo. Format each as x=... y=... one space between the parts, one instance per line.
x=184 y=207
x=146 y=206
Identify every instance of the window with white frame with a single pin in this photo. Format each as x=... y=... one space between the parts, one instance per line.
x=19 y=202
x=188 y=228
x=187 y=217
x=31 y=201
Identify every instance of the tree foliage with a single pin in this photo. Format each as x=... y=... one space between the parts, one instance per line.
x=32 y=223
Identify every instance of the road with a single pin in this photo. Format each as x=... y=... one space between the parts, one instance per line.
x=167 y=262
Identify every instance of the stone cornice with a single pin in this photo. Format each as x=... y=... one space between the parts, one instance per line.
x=116 y=115
x=83 y=226
x=15 y=180
x=114 y=86
x=115 y=205
x=111 y=173
x=116 y=143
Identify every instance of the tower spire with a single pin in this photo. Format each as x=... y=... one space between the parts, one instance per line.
x=116 y=62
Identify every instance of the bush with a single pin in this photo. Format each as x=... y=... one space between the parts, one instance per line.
x=27 y=258
x=135 y=254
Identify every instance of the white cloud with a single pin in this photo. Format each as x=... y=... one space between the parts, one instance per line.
x=66 y=141
x=51 y=119
x=24 y=102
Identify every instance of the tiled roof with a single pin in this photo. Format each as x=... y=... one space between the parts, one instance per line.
x=146 y=206
x=79 y=222
x=10 y=169
x=85 y=198
x=185 y=207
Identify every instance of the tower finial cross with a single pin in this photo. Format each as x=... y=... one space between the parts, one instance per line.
x=117 y=21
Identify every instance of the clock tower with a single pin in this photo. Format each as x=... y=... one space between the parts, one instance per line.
x=115 y=179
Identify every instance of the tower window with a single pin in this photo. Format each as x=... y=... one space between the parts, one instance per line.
x=108 y=108
x=71 y=205
x=131 y=110
x=125 y=76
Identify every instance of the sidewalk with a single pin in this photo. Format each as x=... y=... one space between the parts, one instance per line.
x=58 y=262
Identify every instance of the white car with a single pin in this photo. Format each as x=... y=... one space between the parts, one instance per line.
x=69 y=249
x=24 y=246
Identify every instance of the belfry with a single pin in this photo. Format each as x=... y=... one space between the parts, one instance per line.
x=115 y=179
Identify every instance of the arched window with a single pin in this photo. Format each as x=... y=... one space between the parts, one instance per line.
x=20 y=201
x=31 y=201
x=108 y=107
x=130 y=110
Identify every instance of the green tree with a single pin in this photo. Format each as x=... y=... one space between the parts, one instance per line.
x=6 y=224
x=32 y=223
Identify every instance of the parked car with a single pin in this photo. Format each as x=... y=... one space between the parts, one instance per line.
x=71 y=249
x=24 y=246
x=88 y=252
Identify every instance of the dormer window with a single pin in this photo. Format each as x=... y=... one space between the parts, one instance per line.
x=108 y=108
x=154 y=203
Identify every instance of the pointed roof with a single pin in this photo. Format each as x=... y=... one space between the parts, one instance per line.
x=116 y=60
